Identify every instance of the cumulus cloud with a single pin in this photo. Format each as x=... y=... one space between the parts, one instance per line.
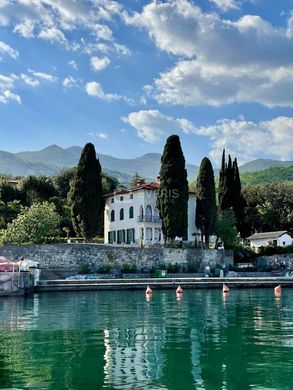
x=151 y=125
x=7 y=50
x=52 y=20
x=225 y=5
x=96 y=90
x=98 y=64
x=226 y=61
x=245 y=139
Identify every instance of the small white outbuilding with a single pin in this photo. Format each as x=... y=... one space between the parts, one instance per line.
x=280 y=238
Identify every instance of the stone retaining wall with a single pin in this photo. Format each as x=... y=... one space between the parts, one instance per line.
x=265 y=263
x=15 y=283
x=59 y=260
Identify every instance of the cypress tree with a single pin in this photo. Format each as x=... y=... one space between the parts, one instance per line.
x=86 y=194
x=225 y=196
x=172 y=201
x=230 y=196
x=239 y=203
x=206 y=208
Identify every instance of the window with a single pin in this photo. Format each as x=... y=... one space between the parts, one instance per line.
x=112 y=200
x=131 y=212
x=112 y=216
x=131 y=196
x=121 y=198
x=121 y=214
x=284 y=243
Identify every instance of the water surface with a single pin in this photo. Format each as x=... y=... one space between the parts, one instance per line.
x=118 y=340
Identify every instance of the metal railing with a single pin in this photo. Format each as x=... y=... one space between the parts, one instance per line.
x=149 y=218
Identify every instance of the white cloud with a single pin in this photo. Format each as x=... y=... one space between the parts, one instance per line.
x=242 y=138
x=7 y=82
x=70 y=82
x=29 y=81
x=43 y=76
x=247 y=139
x=226 y=5
x=53 y=35
x=226 y=61
x=73 y=64
x=151 y=125
x=95 y=89
x=98 y=64
x=53 y=19
x=26 y=29
x=7 y=50
x=102 y=135
x=6 y=96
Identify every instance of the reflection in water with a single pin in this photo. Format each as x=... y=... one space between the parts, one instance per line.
x=118 y=340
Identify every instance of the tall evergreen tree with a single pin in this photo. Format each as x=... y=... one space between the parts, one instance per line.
x=172 y=201
x=206 y=208
x=239 y=203
x=230 y=196
x=225 y=196
x=86 y=194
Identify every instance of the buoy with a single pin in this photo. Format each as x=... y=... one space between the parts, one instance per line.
x=179 y=290
x=225 y=288
x=278 y=290
x=148 y=291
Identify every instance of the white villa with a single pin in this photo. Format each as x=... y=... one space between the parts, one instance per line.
x=278 y=238
x=131 y=216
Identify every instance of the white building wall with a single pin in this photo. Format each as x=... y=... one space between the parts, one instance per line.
x=191 y=217
x=284 y=240
x=150 y=229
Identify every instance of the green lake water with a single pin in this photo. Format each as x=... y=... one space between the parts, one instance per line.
x=118 y=340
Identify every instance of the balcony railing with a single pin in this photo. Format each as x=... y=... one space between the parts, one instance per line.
x=149 y=218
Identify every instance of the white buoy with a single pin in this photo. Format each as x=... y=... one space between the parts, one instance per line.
x=225 y=288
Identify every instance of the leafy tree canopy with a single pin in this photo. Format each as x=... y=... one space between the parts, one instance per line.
x=33 y=225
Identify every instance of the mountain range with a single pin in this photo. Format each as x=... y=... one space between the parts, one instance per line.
x=53 y=159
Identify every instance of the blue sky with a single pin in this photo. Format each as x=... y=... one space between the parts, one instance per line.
x=125 y=75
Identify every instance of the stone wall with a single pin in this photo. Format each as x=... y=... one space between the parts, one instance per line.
x=15 y=283
x=60 y=260
x=265 y=263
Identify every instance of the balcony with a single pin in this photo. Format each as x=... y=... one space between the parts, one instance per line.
x=149 y=218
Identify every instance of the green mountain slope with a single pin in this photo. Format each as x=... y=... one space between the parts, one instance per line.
x=260 y=164
x=271 y=175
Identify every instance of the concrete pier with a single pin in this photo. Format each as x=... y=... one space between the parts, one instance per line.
x=159 y=283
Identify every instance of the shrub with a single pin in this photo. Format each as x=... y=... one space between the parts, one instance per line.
x=128 y=268
x=84 y=269
x=104 y=268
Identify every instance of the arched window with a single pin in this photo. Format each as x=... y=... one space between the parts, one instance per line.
x=130 y=212
x=148 y=214
x=112 y=216
x=121 y=214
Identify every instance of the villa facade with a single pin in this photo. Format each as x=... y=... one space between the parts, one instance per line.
x=131 y=216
